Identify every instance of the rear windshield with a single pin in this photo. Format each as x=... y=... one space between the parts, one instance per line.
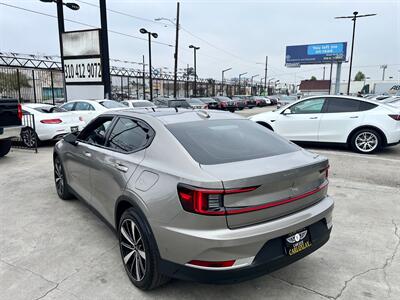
x=49 y=109
x=111 y=104
x=224 y=141
x=142 y=104
x=194 y=101
x=178 y=103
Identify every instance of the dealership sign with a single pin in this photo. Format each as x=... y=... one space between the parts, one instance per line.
x=316 y=54
x=82 y=64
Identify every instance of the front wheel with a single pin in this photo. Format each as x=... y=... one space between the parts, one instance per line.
x=60 y=181
x=138 y=251
x=366 y=141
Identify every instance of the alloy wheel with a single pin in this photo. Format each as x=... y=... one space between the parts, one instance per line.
x=366 y=141
x=59 y=177
x=29 y=137
x=133 y=249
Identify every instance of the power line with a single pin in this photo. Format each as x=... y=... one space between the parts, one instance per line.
x=81 y=23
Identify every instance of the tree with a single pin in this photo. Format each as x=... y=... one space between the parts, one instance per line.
x=360 y=76
x=9 y=82
x=313 y=78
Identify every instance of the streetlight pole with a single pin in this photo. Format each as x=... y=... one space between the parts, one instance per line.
x=176 y=46
x=252 y=77
x=195 y=68
x=61 y=26
x=222 y=82
x=354 y=19
x=240 y=75
x=265 y=75
x=154 y=35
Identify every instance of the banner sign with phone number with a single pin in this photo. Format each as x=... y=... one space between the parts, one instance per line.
x=82 y=70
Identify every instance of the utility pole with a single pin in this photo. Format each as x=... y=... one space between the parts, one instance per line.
x=383 y=67
x=323 y=77
x=144 y=80
x=105 y=52
x=176 y=50
x=195 y=68
x=222 y=82
x=265 y=75
x=330 y=78
x=354 y=19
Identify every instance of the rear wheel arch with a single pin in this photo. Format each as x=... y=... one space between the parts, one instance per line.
x=122 y=204
x=265 y=124
x=381 y=133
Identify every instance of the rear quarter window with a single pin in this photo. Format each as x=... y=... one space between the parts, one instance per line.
x=211 y=142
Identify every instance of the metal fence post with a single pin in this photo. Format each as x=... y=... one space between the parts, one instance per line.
x=52 y=87
x=34 y=86
x=19 y=87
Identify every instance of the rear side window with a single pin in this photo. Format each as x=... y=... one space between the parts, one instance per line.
x=68 y=106
x=83 y=106
x=338 y=105
x=224 y=141
x=366 y=106
x=129 y=135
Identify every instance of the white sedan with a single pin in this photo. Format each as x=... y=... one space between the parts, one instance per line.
x=365 y=125
x=139 y=104
x=47 y=122
x=89 y=109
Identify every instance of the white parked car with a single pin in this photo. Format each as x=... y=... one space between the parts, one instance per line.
x=89 y=109
x=365 y=125
x=49 y=122
x=139 y=104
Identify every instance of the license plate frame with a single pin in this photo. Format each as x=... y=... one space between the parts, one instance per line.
x=298 y=241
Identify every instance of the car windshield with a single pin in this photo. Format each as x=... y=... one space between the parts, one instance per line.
x=178 y=103
x=49 y=109
x=220 y=99
x=142 y=104
x=195 y=101
x=207 y=100
x=224 y=141
x=111 y=104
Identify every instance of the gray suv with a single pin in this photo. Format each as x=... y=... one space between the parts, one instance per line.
x=196 y=195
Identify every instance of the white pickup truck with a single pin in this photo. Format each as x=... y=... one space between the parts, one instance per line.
x=10 y=123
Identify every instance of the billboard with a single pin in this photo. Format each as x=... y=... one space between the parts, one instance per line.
x=315 y=54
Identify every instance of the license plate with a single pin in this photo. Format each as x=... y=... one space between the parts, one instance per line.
x=297 y=242
x=74 y=129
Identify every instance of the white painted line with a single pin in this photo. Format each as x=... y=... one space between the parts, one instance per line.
x=364 y=156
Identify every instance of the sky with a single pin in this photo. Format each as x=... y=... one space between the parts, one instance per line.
x=235 y=34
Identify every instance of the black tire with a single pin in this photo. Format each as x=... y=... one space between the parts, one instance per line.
x=151 y=277
x=29 y=137
x=366 y=141
x=60 y=181
x=5 y=146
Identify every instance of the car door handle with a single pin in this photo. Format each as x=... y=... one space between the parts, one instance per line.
x=313 y=118
x=88 y=154
x=120 y=167
x=353 y=117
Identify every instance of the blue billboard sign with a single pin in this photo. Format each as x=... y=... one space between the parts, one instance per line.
x=316 y=53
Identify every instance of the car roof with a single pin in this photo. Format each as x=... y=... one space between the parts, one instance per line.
x=171 y=115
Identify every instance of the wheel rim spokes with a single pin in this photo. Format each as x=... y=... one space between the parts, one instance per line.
x=133 y=250
x=59 y=177
x=366 y=141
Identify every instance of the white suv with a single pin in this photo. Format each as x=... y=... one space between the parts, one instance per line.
x=365 y=125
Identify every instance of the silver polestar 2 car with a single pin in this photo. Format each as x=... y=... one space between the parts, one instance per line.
x=197 y=195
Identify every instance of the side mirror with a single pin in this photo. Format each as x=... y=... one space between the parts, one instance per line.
x=287 y=111
x=71 y=138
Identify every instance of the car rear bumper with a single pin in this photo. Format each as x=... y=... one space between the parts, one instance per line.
x=10 y=132
x=393 y=137
x=271 y=257
x=223 y=244
x=57 y=132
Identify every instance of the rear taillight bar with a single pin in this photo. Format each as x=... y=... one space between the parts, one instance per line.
x=212 y=264
x=211 y=202
x=395 y=117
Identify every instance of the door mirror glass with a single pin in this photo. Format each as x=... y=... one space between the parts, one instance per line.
x=71 y=138
x=287 y=111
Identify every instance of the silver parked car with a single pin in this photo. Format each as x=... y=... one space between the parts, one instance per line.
x=197 y=195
